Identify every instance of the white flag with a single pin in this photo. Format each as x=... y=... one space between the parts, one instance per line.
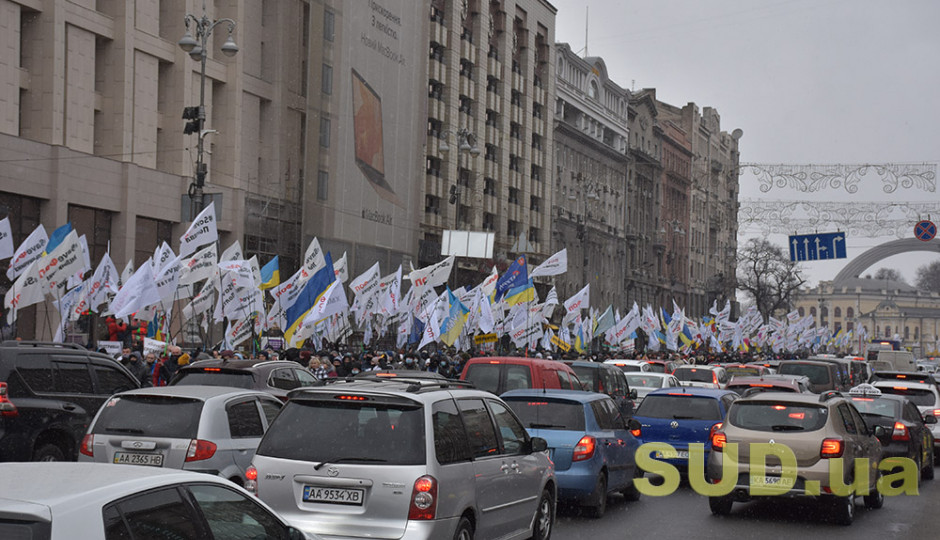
x=139 y=292
x=581 y=299
x=255 y=270
x=552 y=298
x=126 y=273
x=232 y=253
x=200 y=266
x=167 y=282
x=162 y=256
x=30 y=250
x=434 y=275
x=366 y=284
x=341 y=268
x=26 y=291
x=200 y=304
x=489 y=284
x=313 y=258
x=6 y=239
x=331 y=302
x=554 y=265
x=103 y=281
x=64 y=261
x=203 y=230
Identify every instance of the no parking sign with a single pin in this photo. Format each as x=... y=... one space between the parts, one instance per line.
x=925 y=230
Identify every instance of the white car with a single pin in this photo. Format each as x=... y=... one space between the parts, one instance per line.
x=629 y=365
x=95 y=501
x=702 y=376
x=644 y=383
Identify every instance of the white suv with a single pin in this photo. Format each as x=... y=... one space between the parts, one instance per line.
x=405 y=458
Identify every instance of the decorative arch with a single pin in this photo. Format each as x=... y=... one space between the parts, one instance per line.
x=872 y=256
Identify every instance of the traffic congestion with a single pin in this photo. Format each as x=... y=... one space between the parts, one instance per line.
x=381 y=444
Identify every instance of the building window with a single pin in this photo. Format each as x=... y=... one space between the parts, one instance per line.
x=434 y=166
x=435 y=89
x=491 y=118
x=849 y=313
x=513 y=195
x=437 y=52
x=95 y=224
x=151 y=233
x=515 y=130
x=328 y=25
x=533 y=235
x=515 y=98
x=513 y=162
x=327 y=82
x=432 y=205
x=466 y=68
x=490 y=153
x=512 y=228
x=887 y=331
x=489 y=186
x=592 y=90
x=536 y=109
x=536 y=141
x=323 y=185
x=535 y=204
x=838 y=312
x=489 y=222
x=325 y=132
x=492 y=84
x=536 y=172
x=466 y=105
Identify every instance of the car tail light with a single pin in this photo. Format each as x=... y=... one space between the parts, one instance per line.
x=936 y=412
x=831 y=448
x=715 y=378
x=251 y=480
x=900 y=432
x=717 y=438
x=584 y=449
x=200 y=450
x=636 y=432
x=423 y=499
x=7 y=408
x=86 y=448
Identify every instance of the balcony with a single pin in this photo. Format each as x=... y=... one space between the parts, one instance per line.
x=439 y=32
x=494 y=67
x=494 y=102
x=538 y=127
x=468 y=50
x=517 y=116
x=490 y=169
x=434 y=185
x=437 y=70
x=468 y=88
x=492 y=135
x=518 y=82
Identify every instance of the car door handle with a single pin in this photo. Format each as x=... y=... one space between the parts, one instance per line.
x=69 y=407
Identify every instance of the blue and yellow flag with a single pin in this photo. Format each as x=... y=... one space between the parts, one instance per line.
x=312 y=291
x=456 y=319
x=520 y=294
x=270 y=274
x=58 y=236
x=517 y=274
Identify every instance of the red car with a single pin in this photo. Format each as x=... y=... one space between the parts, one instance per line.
x=498 y=374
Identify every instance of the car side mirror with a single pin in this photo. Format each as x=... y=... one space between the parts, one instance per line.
x=633 y=393
x=930 y=419
x=633 y=424
x=882 y=434
x=295 y=534
x=537 y=444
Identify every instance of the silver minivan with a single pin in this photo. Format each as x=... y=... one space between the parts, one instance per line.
x=402 y=458
x=207 y=429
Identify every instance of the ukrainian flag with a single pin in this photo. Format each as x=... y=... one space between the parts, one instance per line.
x=456 y=320
x=312 y=291
x=270 y=274
x=520 y=294
x=58 y=236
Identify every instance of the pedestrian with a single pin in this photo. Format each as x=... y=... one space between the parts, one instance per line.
x=150 y=365
x=135 y=364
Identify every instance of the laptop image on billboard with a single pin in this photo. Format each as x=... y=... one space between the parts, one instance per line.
x=367 y=129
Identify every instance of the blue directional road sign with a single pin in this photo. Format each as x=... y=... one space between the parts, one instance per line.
x=817 y=247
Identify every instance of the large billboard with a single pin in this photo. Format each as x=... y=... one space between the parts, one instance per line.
x=381 y=125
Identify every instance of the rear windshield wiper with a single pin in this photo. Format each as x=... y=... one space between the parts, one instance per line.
x=320 y=465
x=134 y=431
x=782 y=427
x=545 y=426
x=680 y=417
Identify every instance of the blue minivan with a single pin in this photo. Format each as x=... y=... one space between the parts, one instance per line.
x=590 y=441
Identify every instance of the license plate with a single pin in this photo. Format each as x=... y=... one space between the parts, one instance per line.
x=772 y=481
x=672 y=454
x=130 y=458
x=333 y=495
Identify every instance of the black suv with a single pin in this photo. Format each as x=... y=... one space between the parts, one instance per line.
x=276 y=377
x=606 y=379
x=49 y=392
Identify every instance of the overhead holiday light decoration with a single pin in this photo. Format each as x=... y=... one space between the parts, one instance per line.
x=864 y=219
x=814 y=178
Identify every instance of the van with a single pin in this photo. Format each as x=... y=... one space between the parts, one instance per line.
x=899 y=360
x=498 y=374
x=822 y=375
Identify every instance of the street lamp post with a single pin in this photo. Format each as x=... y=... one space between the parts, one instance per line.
x=466 y=144
x=197 y=47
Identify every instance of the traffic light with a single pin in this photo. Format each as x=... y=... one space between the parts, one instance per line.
x=195 y=124
x=453 y=194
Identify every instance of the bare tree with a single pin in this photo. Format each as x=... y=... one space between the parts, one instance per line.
x=768 y=276
x=928 y=277
x=891 y=274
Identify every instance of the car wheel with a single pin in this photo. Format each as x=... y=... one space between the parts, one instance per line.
x=927 y=473
x=49 y=452
x=632 y=493
x=464 y=529
x=720 y=506
x=600 y=506
x=844 y=510
x=544 y=517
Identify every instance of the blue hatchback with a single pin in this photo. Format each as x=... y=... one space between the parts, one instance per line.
x=590 y=442
x=681 y=416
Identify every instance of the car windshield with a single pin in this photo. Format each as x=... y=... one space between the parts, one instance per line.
x=639 y=380
x=776 y=416
x=679 y=407
x=347 y=432
x=656 y=367
x=817 y=374
x=484 y=376
x=695 y=375
x=236 y=379
x=919 y=396
x=538 y=413
x=588 y=377
x=150 y=416
x=888 y=408
x=741 y=388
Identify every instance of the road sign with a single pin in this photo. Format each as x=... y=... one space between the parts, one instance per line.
x=925 y=230
x=817 y=247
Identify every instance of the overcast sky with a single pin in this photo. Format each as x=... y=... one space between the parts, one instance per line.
x=809 y=82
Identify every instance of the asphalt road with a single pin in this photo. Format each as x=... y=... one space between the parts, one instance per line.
x=685 y=514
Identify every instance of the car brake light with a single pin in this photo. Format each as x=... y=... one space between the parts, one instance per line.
x=251 y=480
x=780 y=407
x=86 y=448
x=718 y=439
x=200 y=450
x=584 y=449
x=352 y=398
x=213 y=369
x=423 y=499
x=636 y=432
x=900 y=388
x=900 y=376
x=7 y=408
x=797 y=415
x=863 y=399
x=677 y=394
x=753 y=385
x=831 y=448
x=536 y=403
x=900 y=432
x=714 y=378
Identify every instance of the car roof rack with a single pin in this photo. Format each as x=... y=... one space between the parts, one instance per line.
x=415 y=384
x=826 y=396
x=17 y=343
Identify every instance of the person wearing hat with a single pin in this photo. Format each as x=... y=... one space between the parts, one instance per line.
x=227 y=354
